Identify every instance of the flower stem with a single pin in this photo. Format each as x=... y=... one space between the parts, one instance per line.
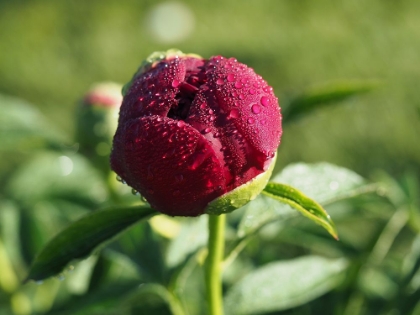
x=214 y=263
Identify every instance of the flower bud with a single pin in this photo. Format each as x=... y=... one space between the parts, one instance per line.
x=196 y=135
x=97 y=119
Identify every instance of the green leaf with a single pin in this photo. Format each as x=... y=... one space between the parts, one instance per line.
x=302 y=203
x=283 y=285
x=322 y=182
x=22 y=126
x=148 y=299
x=325 y=95
x=82 y=237
x=261 y=211
x=52 y=175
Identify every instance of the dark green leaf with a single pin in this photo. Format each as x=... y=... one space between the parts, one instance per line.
x=302 y=203
x=283 y=285
x=148 y=299
x=80 y=238
x=325 y=95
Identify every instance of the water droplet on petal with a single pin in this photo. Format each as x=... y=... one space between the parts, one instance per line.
x=251 y=120
x=175 y=83
x=256 y=108
x=180 y=123
x=238 y=85
x=241 y=96
x=203 y=105
x=220 y=81
x=234 y=113
x=207 y=130
x=252 y=91
x=134 y=192
x=119 y=178
x=211 y=112
x=231 y=77
x=265 y=101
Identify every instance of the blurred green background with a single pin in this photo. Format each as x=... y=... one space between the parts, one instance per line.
x=52 y=51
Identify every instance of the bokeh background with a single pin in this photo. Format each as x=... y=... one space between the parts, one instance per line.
x=52 y=51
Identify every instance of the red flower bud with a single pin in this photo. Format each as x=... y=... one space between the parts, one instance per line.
x=192 y=130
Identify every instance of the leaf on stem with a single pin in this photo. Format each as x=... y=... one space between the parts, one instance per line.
x=82 y=237
x=302 y=203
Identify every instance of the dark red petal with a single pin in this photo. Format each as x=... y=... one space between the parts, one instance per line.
x=170 y=163
x=238 y=113
x=259 y=118
x=153 y=92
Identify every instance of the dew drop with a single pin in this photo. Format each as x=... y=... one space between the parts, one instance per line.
x=251 y=120
x=159 y=119
x=241 y=96
x=134 y=192
x=207 y=130
x=238 y=85
x=252 y=91
x=220 y=81
x=243 y=80
x=334 y=185
x=119 y=178
x=263 y=121
x=203 y=105
x=231 y=77
x=234 y=113
x=211 y=112
x=175 y=83
x=61 y=277
x=180 y=123
x=256 y=85
x=265 y=101
x=143 y=199
x=256 y=109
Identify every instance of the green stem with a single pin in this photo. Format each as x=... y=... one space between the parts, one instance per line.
x=214 y=263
